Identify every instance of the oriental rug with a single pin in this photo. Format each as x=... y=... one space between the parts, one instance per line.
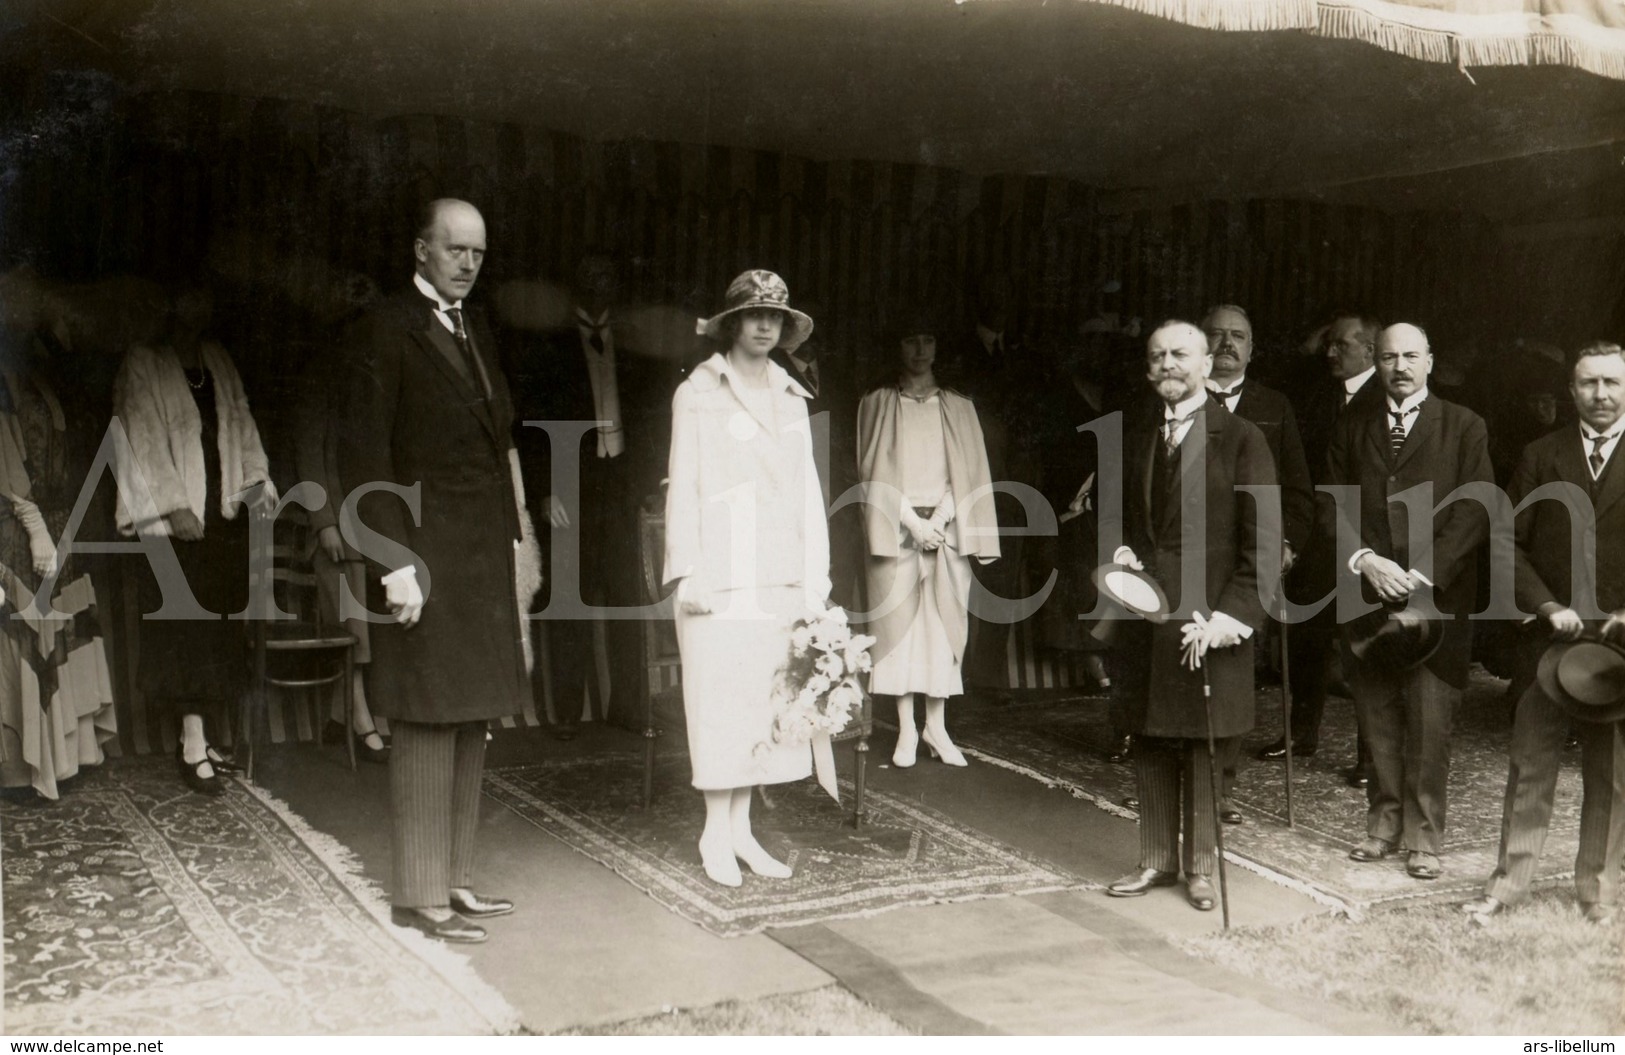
x=905 y=854
x=1064 y=743
x=135 y=907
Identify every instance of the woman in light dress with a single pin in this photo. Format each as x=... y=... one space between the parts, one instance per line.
x=747 y=546
x=928 y=512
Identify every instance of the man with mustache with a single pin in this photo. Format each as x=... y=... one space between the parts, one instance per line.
x=1187 y=461
x=1411 y=438
x=1230 y=339
x=1587 y=456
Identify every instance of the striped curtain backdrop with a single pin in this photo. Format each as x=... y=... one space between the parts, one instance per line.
x=296 y=212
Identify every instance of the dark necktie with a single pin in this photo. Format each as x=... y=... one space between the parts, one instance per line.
x=1170 y=434
x=476 y=369
x=1597 y=460
x=1396 y=434
x=596 y=339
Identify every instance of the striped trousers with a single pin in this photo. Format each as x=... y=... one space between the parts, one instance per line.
x=1174 y=781
x=1536 y=753
x=434 y=802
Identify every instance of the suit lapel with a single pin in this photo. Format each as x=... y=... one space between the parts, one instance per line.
x=1571 y=460
x=439 y=353
x=1376 y=433
x=1611 y=488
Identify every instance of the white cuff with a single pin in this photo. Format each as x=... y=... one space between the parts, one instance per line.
x=408 y=573
x=1419 y=575
x=1354 y=561
x=1121 y=555
x=1232 y=624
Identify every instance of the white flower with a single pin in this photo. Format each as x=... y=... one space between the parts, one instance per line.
x=844 y=697
x=801 y=637
x=836 y=615
x=830 y=665
x=818 y=684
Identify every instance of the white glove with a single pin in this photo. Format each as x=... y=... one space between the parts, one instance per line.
x=40 y=546
x=403 y=596
x=692 y=598
x=925 y=534
x=265 y=496
x=1126 y=557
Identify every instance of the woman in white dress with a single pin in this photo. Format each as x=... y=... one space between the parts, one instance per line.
x=747 y=546
x=928 y=512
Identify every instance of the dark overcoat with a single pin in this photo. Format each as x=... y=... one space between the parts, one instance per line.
x=1233 y=453
x=413 y=417
x=1545 y=555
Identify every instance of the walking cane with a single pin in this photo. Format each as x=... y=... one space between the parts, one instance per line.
x=1286 y=720
x=1213 y=777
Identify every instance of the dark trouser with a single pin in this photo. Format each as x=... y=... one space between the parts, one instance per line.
x=1309 y=655
x=1538 y=732
x=1174 y=783
x=601 y=543
x=1406 y=718
x=434 y=800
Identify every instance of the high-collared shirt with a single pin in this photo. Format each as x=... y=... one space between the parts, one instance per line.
x=440 y=303
x=606 y=394
x=1408 y=410
x=1183 y=412
x=1228 y=396
x=1610 y=442
x=1352 y=385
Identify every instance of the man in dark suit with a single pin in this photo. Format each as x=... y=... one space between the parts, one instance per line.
x=586 y=372
x=1413 y=438
x=1188 y=460
x=1350 y=388
x=1586 y=456
x=425 y=456
x=1230 y=340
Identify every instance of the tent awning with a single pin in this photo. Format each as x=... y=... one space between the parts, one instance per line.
x=1584 y=34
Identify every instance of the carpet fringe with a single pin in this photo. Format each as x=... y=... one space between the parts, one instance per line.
x=346 y=866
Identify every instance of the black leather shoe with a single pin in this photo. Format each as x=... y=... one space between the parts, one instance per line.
x=189 y=771
x=1356 y=778
x=1120 y=751
x=566 y=730
x=476 y=906
x=1571 y=742
x=1277 y=751
x=1372 y=849
x=1199 y=892
x=1137 y=883
x=456 y=929
x=1231 y=815
x=1419 y=864
x=376 y=755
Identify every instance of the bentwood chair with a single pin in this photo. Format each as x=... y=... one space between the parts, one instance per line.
x=663 y=703
x=302 y=652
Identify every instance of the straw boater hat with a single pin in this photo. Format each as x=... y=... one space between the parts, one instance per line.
x=760 y=289
x=1585 y=678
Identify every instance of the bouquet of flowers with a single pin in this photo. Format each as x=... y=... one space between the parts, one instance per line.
x=819 y=689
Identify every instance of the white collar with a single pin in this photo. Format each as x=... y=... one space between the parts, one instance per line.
x=1614 y=430
x=1213 y=386
x=714 y=369
x=587 y=322
x=1353 y=384
x=1411 y=403
x=433 y=294
x=1185 y=408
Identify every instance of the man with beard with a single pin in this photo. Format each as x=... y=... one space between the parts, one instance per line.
x=1230 y=340
x=1188 y=461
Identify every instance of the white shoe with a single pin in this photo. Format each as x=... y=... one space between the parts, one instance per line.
x=943 y=747
x=908 y=745
x=719 y=863
x=759 y=860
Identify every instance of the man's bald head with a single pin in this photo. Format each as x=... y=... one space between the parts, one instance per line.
x=450 y=247
x=1404 y=360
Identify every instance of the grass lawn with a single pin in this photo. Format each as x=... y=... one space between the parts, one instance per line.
x=1538 y=970
x=827 y=1012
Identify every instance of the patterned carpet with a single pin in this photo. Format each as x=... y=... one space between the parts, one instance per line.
x=905 y=854
x=1065 y=742
x=133 y=906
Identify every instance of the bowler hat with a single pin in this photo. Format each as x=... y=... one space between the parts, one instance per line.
x=753 y=290
x=1394 y=638
x=1586 y=678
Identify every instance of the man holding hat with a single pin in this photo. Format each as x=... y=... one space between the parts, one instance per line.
x=1585 y=456
x=1405 y=703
